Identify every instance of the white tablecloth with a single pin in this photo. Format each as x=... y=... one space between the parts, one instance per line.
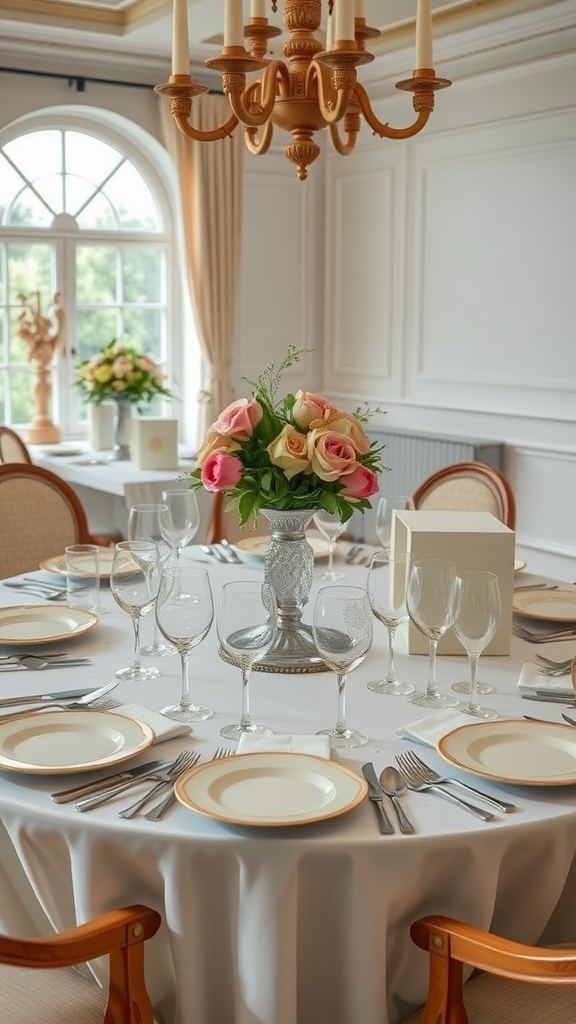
x=291 y=925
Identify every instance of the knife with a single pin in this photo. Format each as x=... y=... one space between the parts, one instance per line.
x=64 y=796
x=549 y=698
x=37 y=698
x=14 y=666
x=376 y=795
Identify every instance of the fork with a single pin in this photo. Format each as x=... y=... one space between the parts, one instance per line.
x=161 y=808
x=415 y=782
x=89 y=701
x=187 y=759
x=542 y=638
x=429 y=775
x=560 y=666
x=161 y=774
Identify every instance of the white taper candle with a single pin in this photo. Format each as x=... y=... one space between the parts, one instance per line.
x=233 y=23
x=344 y=12
x=258 y=8
x=180 y=45
x=424 y=58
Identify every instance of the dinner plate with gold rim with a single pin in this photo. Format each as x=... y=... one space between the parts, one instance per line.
x=546 y=605
x=43 y=623
x=271 y=789
x=513 y=750
x=55 y=742
x=58 y=565
x=255 y=547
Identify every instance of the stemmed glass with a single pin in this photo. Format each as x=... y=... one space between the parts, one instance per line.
x=184 y=613
x=475 y=623
x=387 y=593
x=134 y=582
x=181 y=524
x=343 y=626
x=385 y=517
x=331 y=526
x=430 y=600
x=247 y=628
x=150 y=522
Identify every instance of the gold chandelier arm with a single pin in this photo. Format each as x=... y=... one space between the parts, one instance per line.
x=221 y=132
x=341 y=147
x=252 y=113
x=256 y=145
x=384 y=130
x=333 y=102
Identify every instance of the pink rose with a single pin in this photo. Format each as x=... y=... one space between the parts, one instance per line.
x=347 y=424
x=331 y=455
x=309 y=407
x=221 y=471
x=239 y=418
x=361 y=483
x=289 y=451
x=122 y=366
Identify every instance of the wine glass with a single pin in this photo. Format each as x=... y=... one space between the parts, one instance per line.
x=150 y=522
x=387 y=593
x=343 y=626
x=134 y=582
x=247 y=627
x=430 y=600
x=385 y=516
x=331 y=526
x=181 y=524
x=476 y=620
x=184 y=613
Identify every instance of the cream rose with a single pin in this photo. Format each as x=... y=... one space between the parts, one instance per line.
x=331 y=455
x=345 y=423
x=289 y=451
x=309 y=407
x=215 y=442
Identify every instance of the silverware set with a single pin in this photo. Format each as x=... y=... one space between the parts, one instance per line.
x=17 y=662
x=357 y=555
x=568 y=633
x=549 y=667
x=222 y=552
x=62 y=704
x=48 y=591
x=419 y=778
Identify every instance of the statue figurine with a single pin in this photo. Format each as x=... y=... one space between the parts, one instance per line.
x=42 y=334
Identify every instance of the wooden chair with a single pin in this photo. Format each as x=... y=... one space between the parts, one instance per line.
x=468 y=486
x=40 y=515
x=38 y=984
x=12 y=447
x=517 y=983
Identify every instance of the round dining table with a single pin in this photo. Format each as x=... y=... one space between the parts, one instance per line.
x=298 y=924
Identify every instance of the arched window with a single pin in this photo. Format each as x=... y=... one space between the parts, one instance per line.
x=85 y=214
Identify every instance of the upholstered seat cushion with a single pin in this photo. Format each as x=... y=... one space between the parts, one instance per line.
x=493 y=1000
x=58 y=996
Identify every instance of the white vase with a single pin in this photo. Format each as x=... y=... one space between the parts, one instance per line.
x=101 y=426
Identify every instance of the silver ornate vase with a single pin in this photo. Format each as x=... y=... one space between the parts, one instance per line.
x=122 y=425
x=289 y=568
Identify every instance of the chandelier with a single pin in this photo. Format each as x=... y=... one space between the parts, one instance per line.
x=312 y=89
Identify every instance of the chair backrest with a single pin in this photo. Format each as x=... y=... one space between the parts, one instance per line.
x=551 y=970
x=40 y=515
x=119 y=934
x=12 y=447
x=468 y=487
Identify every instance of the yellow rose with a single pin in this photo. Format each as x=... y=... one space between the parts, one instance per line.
x=289 y=452
x=345 y=423
x=215 y=442
x=103 y=373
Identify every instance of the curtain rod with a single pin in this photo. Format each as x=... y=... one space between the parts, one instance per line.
x=79 y=81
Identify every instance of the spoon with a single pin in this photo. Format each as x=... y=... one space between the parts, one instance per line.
x=34 y=662
x=393 y=785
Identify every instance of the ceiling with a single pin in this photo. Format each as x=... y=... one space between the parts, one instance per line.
x=134 y=36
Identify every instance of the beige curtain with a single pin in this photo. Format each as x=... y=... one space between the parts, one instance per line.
x=210 y=178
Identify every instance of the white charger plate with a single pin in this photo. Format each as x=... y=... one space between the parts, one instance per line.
x=271 y=789
x=517 y=751
x=255 y=547
x=50 y=742
x=57 y=564
x=546 y=605
x=63 y=450
x=43 y=624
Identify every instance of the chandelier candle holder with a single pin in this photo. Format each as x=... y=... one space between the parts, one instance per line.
x=42 y=334
x=312 y=89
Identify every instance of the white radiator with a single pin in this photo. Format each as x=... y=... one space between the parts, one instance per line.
x=412 y=457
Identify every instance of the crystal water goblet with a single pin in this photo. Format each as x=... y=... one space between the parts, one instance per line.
x=476 y=620
x=387 y=593
x=247 y=628
x=385 y=513
x=134 y=582
x=181 y=524
x=342 y=625
x=331 y=526
x=184 y=613
x=430 y=600
x=149 y=521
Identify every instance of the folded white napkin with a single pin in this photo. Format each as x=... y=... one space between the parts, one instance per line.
x=250 y=743
x=163 y=728
x=531 y=679
x=429 y=730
